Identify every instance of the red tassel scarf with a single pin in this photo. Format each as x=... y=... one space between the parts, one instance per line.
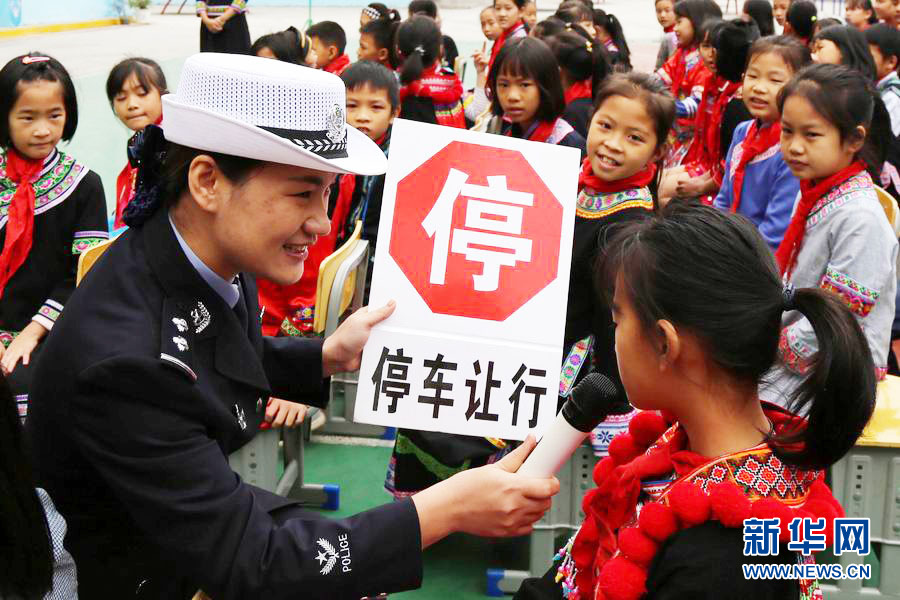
x=708 y=155
x=786 y=255
x=758 y=140
x=338 y=65
x=445 y=92
x=587 y=179
x=20 y=220
x=510 y=33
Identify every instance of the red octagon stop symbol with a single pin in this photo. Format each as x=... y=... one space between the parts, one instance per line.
x=476 y=231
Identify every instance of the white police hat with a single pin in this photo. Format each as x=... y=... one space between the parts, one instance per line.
x=267 y=110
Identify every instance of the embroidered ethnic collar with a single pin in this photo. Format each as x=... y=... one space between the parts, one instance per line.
x=596 y=205
x=854 y=187
x=58 y=179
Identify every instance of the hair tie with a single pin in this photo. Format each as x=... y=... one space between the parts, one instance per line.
x=589 y=46
x=27 y=60
x=813 y=19
x=788 y=294
x=146 y=152
x=419 y=49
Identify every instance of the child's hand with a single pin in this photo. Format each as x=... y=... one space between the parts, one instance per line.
x=283 y=413
x=212 y=25
x=21 y=348
x=690 y=187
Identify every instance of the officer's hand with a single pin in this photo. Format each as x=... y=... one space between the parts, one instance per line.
x=21 y=348
x=342 y=350
x=490 y=501
x=284 y=413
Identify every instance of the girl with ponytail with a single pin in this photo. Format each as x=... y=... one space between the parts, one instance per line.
x=694 y=337
x=583 y=66
x=427 y=94
x=838 y=239
x=609 y=31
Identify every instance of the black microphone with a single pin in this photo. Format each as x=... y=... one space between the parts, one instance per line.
x=592 y=400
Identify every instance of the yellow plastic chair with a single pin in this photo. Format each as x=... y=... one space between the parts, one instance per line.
x=327 y=272
x=890 y=209
x=88 y=258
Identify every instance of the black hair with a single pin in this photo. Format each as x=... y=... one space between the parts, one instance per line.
x=657 y=100
x=580 y=58
x=383 y=32
x=375 y=75
x=289 y=46
x=423 y=7
x=847 y=100
x=885 y=37
x=26 y=554
x=734 y=306
x=732 y=43
x=520 y=4
x=418 y=45
x=853 y=46
x=761 y=13
x=865 y=5
x=389 y=14
x=572 y=11
x=794 y=53
x=709 y=30
x=148 y=72
x=22 y=69
x=330 y=34
x=163 y=169
x=550 y=27
x=823 y=24
x=697 y=11
x=613 y=27
x=532 y=58
x=801 y=16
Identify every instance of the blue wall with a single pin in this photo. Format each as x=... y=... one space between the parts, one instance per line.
x=17 y=13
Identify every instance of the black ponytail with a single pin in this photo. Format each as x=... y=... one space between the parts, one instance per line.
x=580 y=57
x=613 y=27
x=838 y=391
x=734 y=306
x=419 y=46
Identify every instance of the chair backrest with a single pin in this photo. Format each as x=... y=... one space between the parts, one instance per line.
x=891 y=211
x=88 y=258
x=349 y=284
x=327 y=271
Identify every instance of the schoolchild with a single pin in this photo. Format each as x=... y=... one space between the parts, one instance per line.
x=779 y=11
x=618 y=181
x=583 y=65
x=694 y=337
x=376 y=42
x=527 y=99
x=290 y=45
x=608 y=30
x=800 y=20
x=757 y=182
x=377 y=10
x=760 y=13
x=328 y=43
x=685 y=73
x=838 y=239
x=887 y=11
x=884 y=44
x=860 y=14
x=427 y=93
x=844 y=45
x=665 y=15
x=134 y=89
x=509 y=18
x=223 y=26
x=52 y=207
x=449 y=51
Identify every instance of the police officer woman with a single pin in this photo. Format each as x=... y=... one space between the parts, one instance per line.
x=157 y=369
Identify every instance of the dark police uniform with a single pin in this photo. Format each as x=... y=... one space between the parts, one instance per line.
x=148 y=381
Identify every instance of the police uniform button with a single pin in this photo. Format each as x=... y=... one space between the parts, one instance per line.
x=259 y=404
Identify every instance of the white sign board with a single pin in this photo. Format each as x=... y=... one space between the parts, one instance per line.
x=475 y=245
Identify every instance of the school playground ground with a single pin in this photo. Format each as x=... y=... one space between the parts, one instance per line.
x=454 y=568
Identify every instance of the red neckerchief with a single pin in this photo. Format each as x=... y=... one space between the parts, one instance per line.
x=579 y=89
x=707 y=155
x=540 y=133
x=444 y=90
x=501 y=39
x=611 y=508
x=758 y=140
x=810 y=193
x=338 y=65
x=678 y=69
x=587 y=179
x=20 y=220
x=125 y=183
x=669 y=29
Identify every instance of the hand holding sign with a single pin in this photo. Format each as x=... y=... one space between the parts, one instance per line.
x=491 y=501
x=342 y=350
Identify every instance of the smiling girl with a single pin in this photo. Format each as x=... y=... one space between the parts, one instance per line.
x=134 y=89
x=511 y=23
x=527 y=98
x=838 y=239
x=53 y=209
x=757 y=182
